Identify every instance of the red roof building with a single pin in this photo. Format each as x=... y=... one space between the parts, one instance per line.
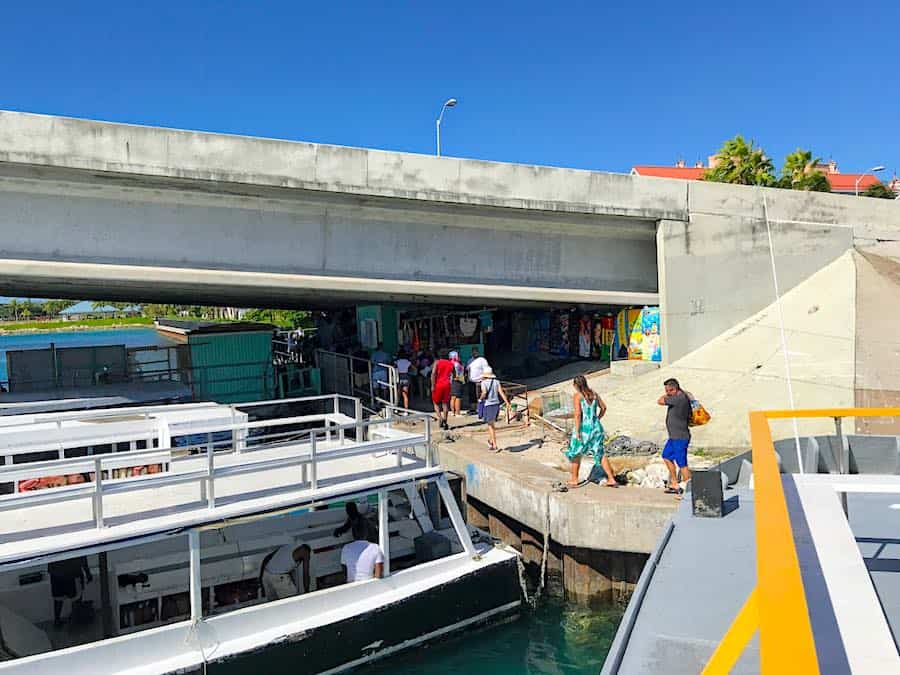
x=682 y=172
x=844 y=183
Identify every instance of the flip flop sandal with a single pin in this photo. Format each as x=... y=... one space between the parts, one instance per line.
x=672 y=491
x=559 y=486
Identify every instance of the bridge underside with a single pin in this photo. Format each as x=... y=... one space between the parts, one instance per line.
x=79 y=234
x=24 y=278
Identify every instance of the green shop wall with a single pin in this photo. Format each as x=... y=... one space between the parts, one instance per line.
x=388 y=318
x=232 y=367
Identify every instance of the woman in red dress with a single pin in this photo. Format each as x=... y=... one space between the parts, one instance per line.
x=440 y=388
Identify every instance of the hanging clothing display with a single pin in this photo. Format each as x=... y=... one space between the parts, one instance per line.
x=540 y=333
x=561 y=334
x=604 y=330
x=468 y=325
x=453 y=330
x=487 y=322
x=585 y=333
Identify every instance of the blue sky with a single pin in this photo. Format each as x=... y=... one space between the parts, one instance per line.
x=591 y=85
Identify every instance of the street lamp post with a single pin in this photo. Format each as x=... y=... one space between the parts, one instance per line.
x=872 y=171
x=449 y=103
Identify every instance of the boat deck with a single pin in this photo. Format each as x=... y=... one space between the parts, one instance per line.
x=706 y=569
x=702 y=578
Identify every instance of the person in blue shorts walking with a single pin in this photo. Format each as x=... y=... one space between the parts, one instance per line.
x=678 y=416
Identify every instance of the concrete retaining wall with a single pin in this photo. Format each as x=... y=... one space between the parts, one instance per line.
x=714 y=266
x=576 y=519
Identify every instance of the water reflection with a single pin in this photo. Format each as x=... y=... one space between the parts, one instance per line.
x=555 y=639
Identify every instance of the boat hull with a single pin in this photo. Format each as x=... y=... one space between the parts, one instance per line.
x=475 y=599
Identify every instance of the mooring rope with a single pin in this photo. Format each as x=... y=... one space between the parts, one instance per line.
x=522 y=583
x=194 y=639
x=546 y=551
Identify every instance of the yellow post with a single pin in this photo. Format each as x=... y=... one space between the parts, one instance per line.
x=786 y=641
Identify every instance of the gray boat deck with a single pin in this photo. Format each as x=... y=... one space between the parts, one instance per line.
x=875 y=521
x=707 y=568
x=703 y=577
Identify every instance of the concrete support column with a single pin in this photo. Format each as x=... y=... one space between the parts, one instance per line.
x=661 y=228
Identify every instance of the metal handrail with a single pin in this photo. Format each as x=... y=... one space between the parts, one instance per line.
x=391 y=384
x=209 y=428
x=122 y=437
x=207 y=478
x=777 y=607
x=105 y=438
x=126 y=454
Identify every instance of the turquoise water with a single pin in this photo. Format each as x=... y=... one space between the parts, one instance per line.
x=556 y=638
x=130 y=337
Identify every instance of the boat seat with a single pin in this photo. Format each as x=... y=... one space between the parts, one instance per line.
x=340 y=419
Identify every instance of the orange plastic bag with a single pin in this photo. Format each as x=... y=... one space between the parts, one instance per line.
x=699 y=415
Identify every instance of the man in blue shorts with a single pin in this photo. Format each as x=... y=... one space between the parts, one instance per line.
x=678 y=415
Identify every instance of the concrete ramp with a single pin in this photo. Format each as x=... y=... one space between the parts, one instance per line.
x=743 y=368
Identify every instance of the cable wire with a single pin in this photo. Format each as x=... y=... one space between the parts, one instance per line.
x=784 y=346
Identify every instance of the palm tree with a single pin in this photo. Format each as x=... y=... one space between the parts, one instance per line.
x=800 y=172
x=879 y=190
x=741 y=163
x=14 y=305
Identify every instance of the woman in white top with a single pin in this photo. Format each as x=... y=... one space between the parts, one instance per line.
x=403 y=365
x=491 y=393
x=361 y=559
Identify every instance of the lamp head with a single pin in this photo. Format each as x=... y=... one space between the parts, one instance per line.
x=876 y=168
x=451 y=102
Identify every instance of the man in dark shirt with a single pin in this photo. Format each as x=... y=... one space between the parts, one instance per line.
x=678 y=415
x=65 y=575
x=353 y=515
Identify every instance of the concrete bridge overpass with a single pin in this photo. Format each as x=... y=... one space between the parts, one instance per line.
x=112 y=211
x=138 y=212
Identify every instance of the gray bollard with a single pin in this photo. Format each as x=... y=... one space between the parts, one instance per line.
x=707 y=494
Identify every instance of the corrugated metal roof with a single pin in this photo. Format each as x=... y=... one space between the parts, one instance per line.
x=87 y=307
x=189 y=327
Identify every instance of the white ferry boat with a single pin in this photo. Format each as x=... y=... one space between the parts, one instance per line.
x=120 y=571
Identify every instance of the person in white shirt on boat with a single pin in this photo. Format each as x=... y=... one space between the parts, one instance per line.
x=278 y=570
x=362 y=559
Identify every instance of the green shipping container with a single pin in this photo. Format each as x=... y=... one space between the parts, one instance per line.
x=229 y=362
x=232 y=367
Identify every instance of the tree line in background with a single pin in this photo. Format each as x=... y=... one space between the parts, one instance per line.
x=30 y=310
x=744 y=163
x=284 y=318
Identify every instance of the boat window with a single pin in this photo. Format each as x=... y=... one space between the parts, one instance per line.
x=263 y=559
x=83 y=599
x=220 y=441
x=420 y=528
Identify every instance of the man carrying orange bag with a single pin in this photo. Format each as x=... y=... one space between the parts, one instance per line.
x=679 y=415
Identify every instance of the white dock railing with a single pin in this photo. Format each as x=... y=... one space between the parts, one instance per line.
x=240 y=443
